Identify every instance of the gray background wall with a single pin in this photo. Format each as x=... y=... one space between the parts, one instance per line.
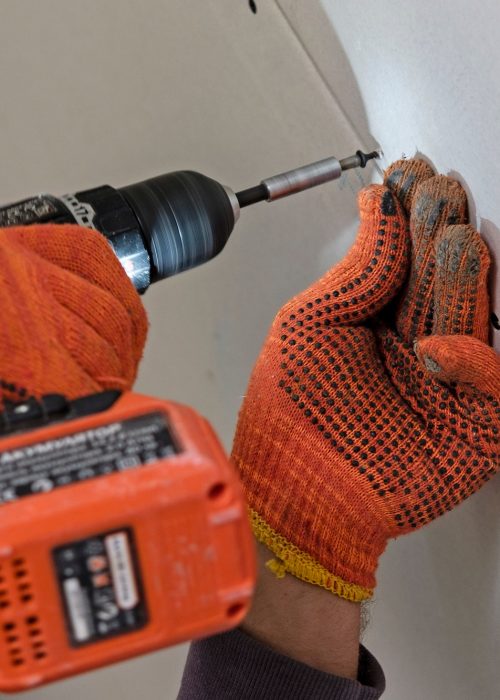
x=97 y=91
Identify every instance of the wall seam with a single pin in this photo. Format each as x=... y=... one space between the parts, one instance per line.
x=323 y=79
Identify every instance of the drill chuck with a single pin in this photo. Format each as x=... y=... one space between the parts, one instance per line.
x=186 y=219
x=170 y=223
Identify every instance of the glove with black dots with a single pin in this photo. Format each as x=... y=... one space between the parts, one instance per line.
x=374 y=405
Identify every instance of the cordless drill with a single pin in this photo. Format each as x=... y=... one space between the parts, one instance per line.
x=172 y=222
x=123 y=526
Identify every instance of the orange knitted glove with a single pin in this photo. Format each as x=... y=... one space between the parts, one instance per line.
x=72 y=322
x=350 y=434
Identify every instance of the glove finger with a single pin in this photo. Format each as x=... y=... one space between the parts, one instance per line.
x=465 y=360
x=88 y=255
x=94 y=356
x=403 y=178
x=461 y=304
x=437 y=202
x=102 y=312
x=371 y=273
x=33 y=360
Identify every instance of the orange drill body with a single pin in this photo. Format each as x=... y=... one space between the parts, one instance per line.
x=143 y=544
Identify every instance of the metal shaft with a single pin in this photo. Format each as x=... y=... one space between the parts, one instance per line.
x=303 y=178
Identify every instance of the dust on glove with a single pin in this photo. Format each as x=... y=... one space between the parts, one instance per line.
x=71 y=320
x=374 y=405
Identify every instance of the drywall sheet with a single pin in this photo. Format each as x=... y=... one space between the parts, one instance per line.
x=113 y=91
x=422 y=77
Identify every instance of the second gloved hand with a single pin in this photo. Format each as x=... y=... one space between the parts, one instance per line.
x=366 y=415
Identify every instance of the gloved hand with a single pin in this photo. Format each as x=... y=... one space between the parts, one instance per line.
x=368 y=415
x=72 y=322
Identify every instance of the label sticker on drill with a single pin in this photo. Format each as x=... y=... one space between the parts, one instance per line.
x=89 y=454
x=100 y=586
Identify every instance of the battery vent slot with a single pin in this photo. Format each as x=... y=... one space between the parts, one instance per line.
x=34 y=630
x=22 y=581
x=13 y=644
x=21 y=633
x=5 y=600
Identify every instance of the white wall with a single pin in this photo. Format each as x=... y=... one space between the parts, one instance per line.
x=98 y=91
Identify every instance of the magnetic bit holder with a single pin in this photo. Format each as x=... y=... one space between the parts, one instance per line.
x=303 y=178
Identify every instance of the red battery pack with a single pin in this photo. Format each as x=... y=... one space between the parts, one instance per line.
x=121 y=532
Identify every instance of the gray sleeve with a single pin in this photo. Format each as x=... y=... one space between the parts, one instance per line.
x=234 y=665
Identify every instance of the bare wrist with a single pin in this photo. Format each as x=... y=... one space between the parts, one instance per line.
x=305 y=622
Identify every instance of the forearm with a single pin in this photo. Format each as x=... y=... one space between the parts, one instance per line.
x=305 y=622
x=298 y=641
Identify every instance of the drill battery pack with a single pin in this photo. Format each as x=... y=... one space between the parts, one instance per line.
x=123 y=529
